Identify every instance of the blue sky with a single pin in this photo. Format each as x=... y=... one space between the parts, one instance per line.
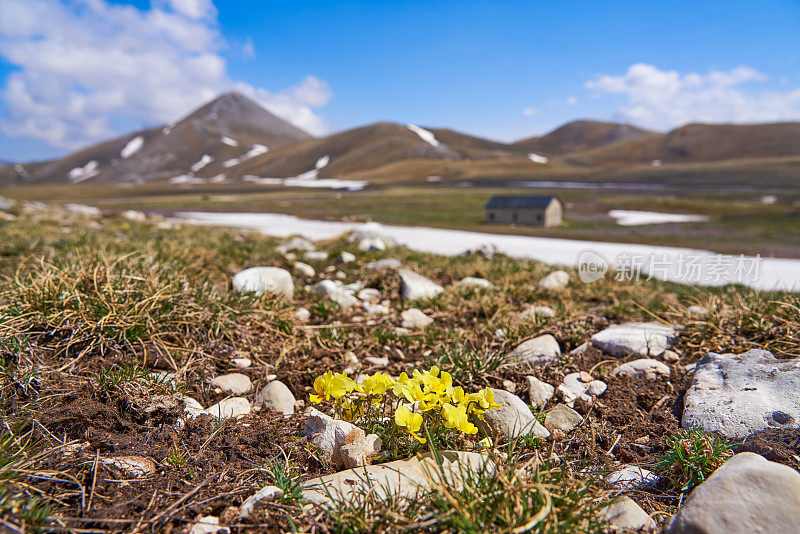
x=77 y=71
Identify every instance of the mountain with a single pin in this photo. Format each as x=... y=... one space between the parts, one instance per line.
x=702 y=142
x=582 y=135
x=229 y=127
x=369 y=147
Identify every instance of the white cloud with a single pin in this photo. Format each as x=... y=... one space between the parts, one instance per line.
x=248 y=49
x=83 y=67
x=571 y=101
x=530 y=112
x=666 y=98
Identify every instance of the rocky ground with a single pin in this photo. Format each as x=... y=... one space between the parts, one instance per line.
x=159 y=378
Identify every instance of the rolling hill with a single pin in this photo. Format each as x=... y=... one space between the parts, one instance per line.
x=577 y=136
x=700 y=143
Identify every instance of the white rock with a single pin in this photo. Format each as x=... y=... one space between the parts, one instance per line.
x=377 y=361
x=372 y=244
x=242 y=363
x=739 y=395
x=513 y=418
x=361 y=452
x=302 y=315
x=208 y=525
x=574 y=387
x=747 y=495
x=534 y=312
x=630 y=478
x=192 y=408
x=235 y=383
x=414 y=286
x=386 y=263
x=375 y=309
x=134 y=466
x=304 y=269
x=414 y=319
x=580 y=349
x=276 y=396
x=266 y=494
x=562 y=417
x=260 y=280
x=627 y=515
x=336 y=293
x=135 y=216
x=670 y=356
x=295 y=243
x=396 y=480
x=475 y=282
x=539 y=392
x=554 y=280
x=696 y=311
x=330 y=435
x=315 y=255
x=644 y=339
x=539 y=350
x=500 y=334
x=227 y=408
x=642 y=368
x=346 y=257
x=370 y=294
x=371 y=236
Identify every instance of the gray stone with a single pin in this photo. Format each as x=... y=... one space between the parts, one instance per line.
x=475 y=282
x=266 y=494
x=739 y=395
x=539 y=350
x=315 y=255
x=400 y=478
x=276 y=396
x=580 y=386
x=304 y=269
x=235 y=383
x=302 y=315
x=630 y=478
x=697 y=311
x=346 y=257
x=539 y=392
x=747 y=495
x=414 y=319
x=377 y=361
x=562 y=418
x=627 y=515
x=370 y=294
x=336 y=292
x=643 y=368
x=554 y=280
x=260 y=280
x=295 y=243
x=644 y=339
x=513 y=418
x=414 y=286
x=330 y=435
x=227 y=408
x=386 y=263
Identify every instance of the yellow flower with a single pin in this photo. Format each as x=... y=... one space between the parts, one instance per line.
x=331 y=384
x=377 y=384
x=483 y=401
x=456 y=417
x=411 y=421
x=409 y=390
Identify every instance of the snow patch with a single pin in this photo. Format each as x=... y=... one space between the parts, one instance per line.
x=202 y=162
x=186 y=179
x=166 y=130
x=133 y=146
x=536 y=158
x=313 y=174
x=299 y=181
x=79 y=174
x=773 y=273
x=255 y=150
x=21 y=170
x=424 y=134
x=218 y=179
x=638 y=218
x=228 y=141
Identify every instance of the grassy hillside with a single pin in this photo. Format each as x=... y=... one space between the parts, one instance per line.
x=107 y=324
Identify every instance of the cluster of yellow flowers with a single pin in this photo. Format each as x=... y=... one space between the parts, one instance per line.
x=429 y=396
